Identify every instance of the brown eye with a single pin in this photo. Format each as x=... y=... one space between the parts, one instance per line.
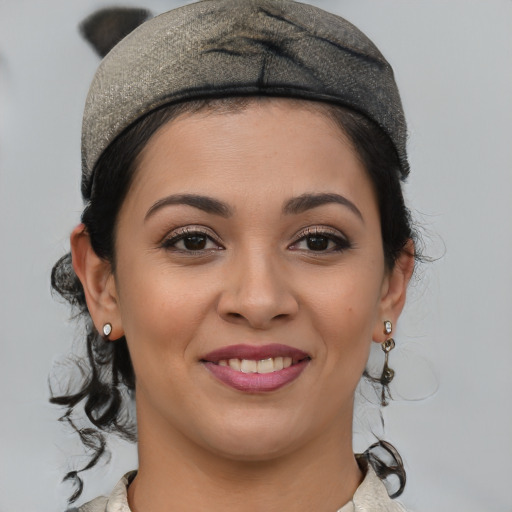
x=320 y=240
x=195 y=242
x=189 y=241
x=317 y=243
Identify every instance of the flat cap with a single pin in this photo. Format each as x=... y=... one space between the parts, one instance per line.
x=220 y=48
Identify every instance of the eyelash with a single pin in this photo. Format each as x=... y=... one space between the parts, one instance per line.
x=189 y=232
x=341 y=243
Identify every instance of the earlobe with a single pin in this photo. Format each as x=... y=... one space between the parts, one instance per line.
x=98 y=282
x=394 y=291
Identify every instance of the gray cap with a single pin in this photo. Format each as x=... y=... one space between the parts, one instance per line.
x=218 y=48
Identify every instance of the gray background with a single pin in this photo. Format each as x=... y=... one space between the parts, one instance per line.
x=453 y=62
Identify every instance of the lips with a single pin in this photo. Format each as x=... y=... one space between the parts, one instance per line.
x=256 y=369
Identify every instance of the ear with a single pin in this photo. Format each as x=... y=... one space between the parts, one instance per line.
x=98 y=283
x=394 y=291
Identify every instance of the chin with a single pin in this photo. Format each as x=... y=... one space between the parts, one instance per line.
x=253 y=450
x=256 y=439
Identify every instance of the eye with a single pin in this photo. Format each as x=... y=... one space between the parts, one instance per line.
x=320 y=240
x=191 y=240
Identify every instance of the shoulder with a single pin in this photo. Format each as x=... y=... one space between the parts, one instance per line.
x=116 y=502
x=372 y=495
x=97 y=505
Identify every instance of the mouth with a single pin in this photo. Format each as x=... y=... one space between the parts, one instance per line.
x=269 y=365
x=256 y=368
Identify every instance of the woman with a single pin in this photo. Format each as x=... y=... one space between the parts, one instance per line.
x=243 y=242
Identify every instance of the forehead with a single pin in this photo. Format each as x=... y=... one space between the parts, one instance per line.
x=265 y=147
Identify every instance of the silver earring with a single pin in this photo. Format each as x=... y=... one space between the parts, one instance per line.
x=387 y=372
x=107 y=329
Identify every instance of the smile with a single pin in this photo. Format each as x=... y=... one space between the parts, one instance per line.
x=256 y=369
x=269 y=365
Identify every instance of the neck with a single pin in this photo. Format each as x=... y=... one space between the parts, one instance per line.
x=322 y=475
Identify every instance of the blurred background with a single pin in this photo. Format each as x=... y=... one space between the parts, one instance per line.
x=452 y=417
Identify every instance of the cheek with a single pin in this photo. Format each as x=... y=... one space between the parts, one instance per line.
x=344 y=312
x=162 y=311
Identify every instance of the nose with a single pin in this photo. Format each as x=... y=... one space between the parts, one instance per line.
x=257 y=292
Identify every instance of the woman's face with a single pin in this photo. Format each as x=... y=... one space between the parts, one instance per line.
x=250 y=241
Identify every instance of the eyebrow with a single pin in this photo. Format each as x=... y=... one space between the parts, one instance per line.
x=204 y=203
x=306 y=202
x=293 y=206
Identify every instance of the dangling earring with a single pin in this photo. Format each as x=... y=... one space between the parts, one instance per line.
x=387 y=372
x=107 y=329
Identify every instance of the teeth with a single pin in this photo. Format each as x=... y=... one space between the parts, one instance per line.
x=266 y=366
x=235 y=364
x=248 y=366
x=272 y=364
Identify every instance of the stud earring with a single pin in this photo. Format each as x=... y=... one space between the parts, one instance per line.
x=387 y=372
x=107 y=329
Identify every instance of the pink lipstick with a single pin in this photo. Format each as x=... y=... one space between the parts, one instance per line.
x=256 y=369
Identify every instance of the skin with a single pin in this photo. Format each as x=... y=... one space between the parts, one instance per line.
x=202 y=444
